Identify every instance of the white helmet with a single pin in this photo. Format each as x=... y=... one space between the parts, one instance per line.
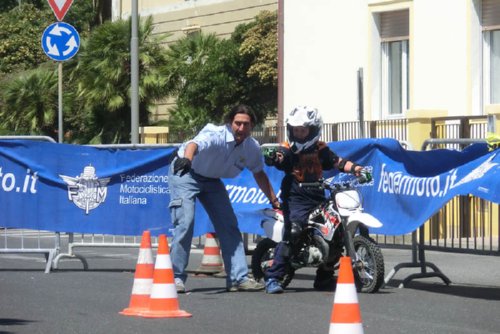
x=307 y=117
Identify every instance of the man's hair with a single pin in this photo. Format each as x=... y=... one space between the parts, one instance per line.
x=240 y=109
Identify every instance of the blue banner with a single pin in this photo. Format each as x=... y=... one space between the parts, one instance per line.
x=410 y=186
x=72 y=188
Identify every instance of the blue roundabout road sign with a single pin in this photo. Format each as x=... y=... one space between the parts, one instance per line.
x=60 y=41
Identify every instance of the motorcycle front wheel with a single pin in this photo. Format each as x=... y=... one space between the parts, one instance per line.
x=369 y=269
x=262 y=260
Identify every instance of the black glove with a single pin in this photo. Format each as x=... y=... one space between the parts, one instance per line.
x=270 y=156
x=364 y=176
x=182 y=165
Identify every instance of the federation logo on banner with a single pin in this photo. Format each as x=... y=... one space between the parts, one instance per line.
x=86 y=191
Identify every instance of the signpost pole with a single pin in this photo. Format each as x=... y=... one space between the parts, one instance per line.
x=60 y=103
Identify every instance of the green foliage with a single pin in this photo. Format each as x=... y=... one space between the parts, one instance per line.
x=80 y=15
x=258 y=54
x=260 y=45
x=211 y=75
x=6 y=5
x=30 y=103
x=206 y=74
x=22 y=26
x=20 y=33
x=185 y=122
x=102 y=78
x=201 y=68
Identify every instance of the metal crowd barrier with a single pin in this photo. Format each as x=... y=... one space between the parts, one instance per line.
x=418 y=236
x=29 y=241
x=57 y=246
x=103 y=240
x=49 y=243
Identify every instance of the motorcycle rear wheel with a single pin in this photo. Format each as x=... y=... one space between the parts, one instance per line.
x=369 y=272
x=262 y=259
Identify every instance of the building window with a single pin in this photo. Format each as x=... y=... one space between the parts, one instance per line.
x=492 y=66
x=394 y=31
x=395 y=77
x=490 y=22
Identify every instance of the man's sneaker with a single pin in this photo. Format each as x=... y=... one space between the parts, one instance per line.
x=248 y=285
x=179 y=286
x=273 y=286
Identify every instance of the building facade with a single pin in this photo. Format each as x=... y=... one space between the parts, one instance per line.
x=418 y=58
x=375 y=59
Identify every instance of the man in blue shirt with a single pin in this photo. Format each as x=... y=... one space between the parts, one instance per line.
x=216 y=152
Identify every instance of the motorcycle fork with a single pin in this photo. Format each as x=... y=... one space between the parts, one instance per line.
x=357 y=264
x=349 y=245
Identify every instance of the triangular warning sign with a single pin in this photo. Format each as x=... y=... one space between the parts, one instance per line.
x=60 y=7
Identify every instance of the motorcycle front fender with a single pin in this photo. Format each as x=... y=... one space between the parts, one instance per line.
x=273 y=229
x=365 y=218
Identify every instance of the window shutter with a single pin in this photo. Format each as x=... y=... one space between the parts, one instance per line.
x=395 y=25
x=491 y=14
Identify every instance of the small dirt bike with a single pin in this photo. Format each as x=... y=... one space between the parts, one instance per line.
x=337 y=227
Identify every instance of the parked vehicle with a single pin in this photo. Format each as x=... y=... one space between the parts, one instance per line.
x=337 y=227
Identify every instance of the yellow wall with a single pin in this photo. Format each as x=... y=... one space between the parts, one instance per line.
x=180 y=17
x=153 y=134
x=419 y=125
x=494 y=111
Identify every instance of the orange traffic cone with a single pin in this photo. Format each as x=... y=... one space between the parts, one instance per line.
x=211 y=263
x=163 y=301
x=143 y=278
x=346 y=315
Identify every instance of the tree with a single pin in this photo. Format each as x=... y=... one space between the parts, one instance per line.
x=102 y=78
x=97 y=85
x=258 y=51
x=185 y=122
x=200 y=69
x=30 y=103
x=259 y=44
x=20 y=33
x=6 y=5
x=210 y=75
x=22 y=26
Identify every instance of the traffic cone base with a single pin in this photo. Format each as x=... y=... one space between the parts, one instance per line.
x=211 y=263
x=346 y=315
x=163 y=301
x=346 y=328
x=140 y=297
x=166 y=314
x=143 y=278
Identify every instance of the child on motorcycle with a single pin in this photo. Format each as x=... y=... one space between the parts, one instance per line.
x=303 y=159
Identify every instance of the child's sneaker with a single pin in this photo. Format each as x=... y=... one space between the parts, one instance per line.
x=273 y=286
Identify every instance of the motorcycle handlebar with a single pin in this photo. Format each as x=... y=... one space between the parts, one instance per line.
x=312 y=184
x=324 y=184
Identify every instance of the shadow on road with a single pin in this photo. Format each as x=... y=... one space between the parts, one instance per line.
x=467 y=291
x=12 y=322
